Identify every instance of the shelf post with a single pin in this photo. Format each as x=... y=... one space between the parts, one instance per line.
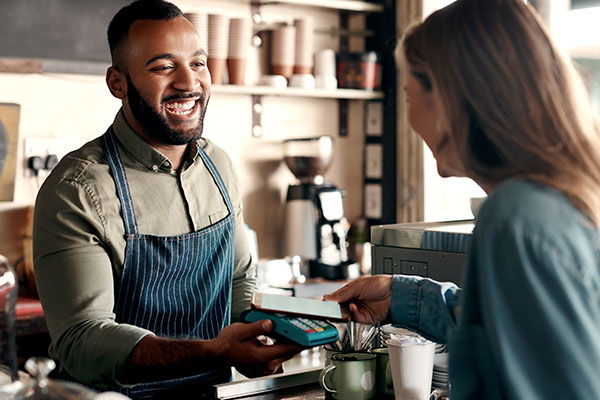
x=257 y=109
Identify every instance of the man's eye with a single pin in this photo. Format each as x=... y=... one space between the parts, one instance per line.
x=162 y=68
x=200 y=64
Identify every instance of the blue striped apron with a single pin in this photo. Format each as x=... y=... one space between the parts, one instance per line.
x=175 y=286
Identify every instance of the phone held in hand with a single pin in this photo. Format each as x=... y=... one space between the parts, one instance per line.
x=297 y=306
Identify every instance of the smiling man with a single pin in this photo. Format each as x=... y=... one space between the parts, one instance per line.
x=140 y=252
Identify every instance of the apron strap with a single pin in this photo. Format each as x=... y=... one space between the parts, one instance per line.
x=109 y=145
x=217 y=179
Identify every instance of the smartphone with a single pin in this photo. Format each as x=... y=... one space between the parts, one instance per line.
x=297 y=306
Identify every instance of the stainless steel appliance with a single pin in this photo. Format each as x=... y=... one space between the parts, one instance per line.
x=432 y=249
x=314 y=222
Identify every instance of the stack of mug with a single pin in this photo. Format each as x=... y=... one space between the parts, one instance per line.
x=218 y=40
x=240 y=35
x=283 y=54
x=200 y=22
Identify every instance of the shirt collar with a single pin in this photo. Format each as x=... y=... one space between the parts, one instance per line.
x=139 y=149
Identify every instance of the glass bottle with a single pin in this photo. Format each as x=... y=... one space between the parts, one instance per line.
x=8 y=301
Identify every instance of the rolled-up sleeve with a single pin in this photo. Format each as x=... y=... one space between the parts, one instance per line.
x=74 y=277
x=425 y=306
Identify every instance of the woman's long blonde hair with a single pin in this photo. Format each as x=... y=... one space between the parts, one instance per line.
x=514 y=105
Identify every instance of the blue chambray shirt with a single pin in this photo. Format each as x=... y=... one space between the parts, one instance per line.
x=527 y=323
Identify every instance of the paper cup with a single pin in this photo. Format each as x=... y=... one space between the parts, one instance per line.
x=200 y=22
x=412 y=369
x=283 y=51
x=325 y=63
x=216 y=67
x=240 y=34
x=218 y=36
x=237 y=71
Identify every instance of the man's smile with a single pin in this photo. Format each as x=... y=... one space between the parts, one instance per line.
x=181 y=107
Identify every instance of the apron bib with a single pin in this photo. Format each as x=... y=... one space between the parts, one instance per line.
x=175 y=286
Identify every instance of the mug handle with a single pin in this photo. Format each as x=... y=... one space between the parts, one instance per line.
x=323 y=375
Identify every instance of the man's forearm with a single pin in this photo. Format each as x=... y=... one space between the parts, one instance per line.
x=155 y=358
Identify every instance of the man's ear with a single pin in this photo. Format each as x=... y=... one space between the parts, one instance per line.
x=117 y=84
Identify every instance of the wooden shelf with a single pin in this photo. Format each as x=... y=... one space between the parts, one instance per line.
x=343 y=94
x=345 y=5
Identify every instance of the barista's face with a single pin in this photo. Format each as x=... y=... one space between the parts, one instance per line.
x=424 y=114
x=167 y=81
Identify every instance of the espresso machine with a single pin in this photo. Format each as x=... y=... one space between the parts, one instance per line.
x=314 y=222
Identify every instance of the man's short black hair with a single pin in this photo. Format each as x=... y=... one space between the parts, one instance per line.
x=118 y=29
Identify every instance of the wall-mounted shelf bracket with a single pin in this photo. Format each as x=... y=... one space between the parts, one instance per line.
x=255 y=13
x=257 y=109
x=343 y=117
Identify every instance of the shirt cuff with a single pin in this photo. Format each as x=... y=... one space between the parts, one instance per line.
x=405 y=300
x=121 y=348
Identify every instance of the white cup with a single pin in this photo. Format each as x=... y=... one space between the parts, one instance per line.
x=304 y=81
x=277 y=81
x=412 y=368
x=328 y=82
x=325 y=63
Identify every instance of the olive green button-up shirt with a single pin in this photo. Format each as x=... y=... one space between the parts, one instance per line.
x=79 y=242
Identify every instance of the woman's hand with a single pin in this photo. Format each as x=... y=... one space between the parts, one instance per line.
x=367 y=298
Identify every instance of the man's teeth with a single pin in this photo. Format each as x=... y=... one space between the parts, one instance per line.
x=183 y=108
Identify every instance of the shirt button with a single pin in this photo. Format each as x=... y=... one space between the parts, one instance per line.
x=168 y=164
x=155 y=168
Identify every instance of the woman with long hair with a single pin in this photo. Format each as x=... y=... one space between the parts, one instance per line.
x=495 y=100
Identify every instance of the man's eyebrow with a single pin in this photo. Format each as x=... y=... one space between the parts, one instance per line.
x=170 y=56
x=160 y=56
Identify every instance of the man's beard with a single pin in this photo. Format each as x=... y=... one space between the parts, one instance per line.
x=155 y=125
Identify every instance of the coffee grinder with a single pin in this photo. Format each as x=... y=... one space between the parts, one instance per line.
x=314 y=214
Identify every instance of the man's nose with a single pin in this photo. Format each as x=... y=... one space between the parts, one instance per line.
x=186 y=79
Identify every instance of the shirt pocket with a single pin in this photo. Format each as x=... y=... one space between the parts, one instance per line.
x=473 y=374
x=218 y=216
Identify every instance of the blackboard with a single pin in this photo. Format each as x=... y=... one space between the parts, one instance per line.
x=71 y=30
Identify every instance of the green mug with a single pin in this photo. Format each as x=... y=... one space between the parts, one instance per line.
x=385 y=383
x=329 y=352
x=350 y=376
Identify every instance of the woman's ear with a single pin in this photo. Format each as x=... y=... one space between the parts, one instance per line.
x=117 y=84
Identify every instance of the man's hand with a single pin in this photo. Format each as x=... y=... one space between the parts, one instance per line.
x=367 y=298
x=239 y=345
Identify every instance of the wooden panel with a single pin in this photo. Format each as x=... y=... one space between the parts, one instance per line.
x=410 y=146
x=20 y=65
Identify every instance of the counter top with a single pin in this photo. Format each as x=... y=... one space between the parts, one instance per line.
x=298 y=384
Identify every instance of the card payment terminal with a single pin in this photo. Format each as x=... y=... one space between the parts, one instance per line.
x=304 y=331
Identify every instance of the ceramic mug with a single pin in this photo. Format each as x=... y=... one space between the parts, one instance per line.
x=350 y=376
x=385 y=383
x=329 y=352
